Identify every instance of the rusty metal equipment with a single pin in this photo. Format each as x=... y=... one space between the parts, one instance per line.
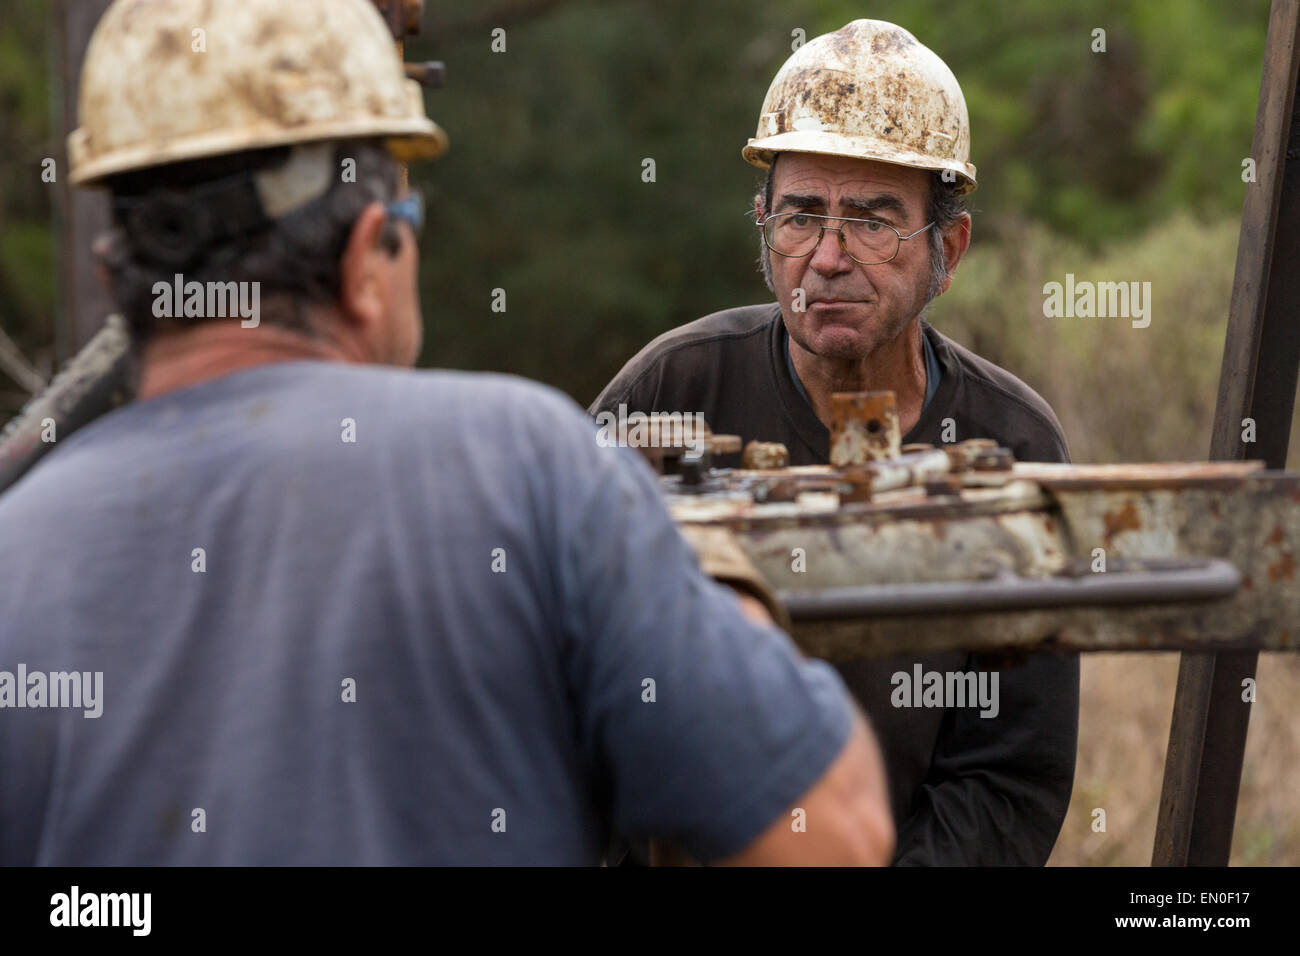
x=988 y=554
x=964 y=549
x=864 y=427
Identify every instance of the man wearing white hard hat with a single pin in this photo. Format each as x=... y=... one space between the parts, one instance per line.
x=865 y=138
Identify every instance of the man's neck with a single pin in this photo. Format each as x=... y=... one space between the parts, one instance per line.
x=897 y=366
x=174 y=360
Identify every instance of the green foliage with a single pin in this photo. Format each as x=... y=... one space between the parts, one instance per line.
x=542 y=194
x=1081 y=155
x=1121 y=393
x=26 y=227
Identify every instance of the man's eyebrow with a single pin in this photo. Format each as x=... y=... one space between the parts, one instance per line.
x=885 y=202
x=801 y=201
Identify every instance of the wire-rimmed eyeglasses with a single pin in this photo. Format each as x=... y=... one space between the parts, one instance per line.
x=867 y=242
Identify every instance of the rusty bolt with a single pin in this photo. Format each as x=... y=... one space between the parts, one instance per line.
x=760 y=456
x=693 y=465
x=776 y=489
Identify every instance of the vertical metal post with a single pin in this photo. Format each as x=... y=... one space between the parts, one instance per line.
x=1261 y=360
x=84 y=212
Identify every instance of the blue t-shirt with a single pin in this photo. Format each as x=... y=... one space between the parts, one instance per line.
x=360 y=615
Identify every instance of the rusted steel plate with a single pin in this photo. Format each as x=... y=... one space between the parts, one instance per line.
x=864 y=427
x=1170 y=475
x=1072 y=518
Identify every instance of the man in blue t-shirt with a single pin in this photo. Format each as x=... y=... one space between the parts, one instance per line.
x=300 y=604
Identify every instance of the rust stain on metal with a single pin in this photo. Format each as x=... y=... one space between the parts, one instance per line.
x=1284 y=568
x=1126 y=519
x=907 y=534
x=864 y=427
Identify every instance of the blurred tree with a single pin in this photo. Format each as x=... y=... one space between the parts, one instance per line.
x=544 y=193
x=27 y=251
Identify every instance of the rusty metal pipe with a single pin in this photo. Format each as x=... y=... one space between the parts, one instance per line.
x=99 y=378
x=1179 y=582
x=904 y=471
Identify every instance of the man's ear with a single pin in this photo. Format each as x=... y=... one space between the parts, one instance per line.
x=956 y=239
x=360 y=294
x=758 y=206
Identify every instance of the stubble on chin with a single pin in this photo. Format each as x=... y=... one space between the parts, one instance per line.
x=834 y=343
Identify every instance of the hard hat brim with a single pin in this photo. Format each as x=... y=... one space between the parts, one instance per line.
x=408 y=140
x=760 y=152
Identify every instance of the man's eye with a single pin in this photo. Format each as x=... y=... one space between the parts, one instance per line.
x=873 y=225
x=800 y=220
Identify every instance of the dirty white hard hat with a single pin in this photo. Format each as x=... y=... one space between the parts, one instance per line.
x=870 y=90
x=187 y=79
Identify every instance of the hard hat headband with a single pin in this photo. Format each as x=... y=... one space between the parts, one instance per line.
x=174 y=226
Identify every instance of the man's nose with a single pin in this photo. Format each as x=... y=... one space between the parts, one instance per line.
x=829 y=258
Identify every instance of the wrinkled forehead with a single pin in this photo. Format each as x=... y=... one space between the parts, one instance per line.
x=837 y=177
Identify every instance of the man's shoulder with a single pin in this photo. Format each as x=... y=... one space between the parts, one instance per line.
x=405 y=411
x=695 y=347
x=451 y=398
x=997 y=393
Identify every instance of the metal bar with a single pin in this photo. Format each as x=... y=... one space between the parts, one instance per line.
x=1185 y=582
x=100 y=377
x=1183 y=756
x=1261 y=357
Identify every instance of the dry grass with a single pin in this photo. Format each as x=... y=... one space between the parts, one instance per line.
x=1125 y=707
x=1136 y=394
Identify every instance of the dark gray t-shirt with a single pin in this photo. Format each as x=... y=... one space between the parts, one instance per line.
x=431 y=644
x=965 y=790
x=933 y=371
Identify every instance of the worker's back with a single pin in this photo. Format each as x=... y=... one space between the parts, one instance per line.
x=361 y=615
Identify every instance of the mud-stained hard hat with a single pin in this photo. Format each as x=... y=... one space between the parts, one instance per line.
x=870 y=90
x=167 y=82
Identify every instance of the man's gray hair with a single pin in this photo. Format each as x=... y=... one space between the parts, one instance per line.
x=944 y=207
